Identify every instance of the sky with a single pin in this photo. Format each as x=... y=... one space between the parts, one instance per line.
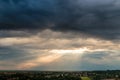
x=59 y=35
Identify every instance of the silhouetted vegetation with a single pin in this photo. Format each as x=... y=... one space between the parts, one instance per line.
x=37 y=75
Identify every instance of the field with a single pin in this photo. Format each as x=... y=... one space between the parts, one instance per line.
x=85 y=78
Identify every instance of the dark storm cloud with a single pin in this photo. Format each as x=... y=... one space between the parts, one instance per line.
x=93 y=17
x=7 y=34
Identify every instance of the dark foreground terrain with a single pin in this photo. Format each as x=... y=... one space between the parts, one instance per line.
x=49 y=75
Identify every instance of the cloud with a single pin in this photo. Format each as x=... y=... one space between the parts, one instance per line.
x=64 y=41
x=57 y=51
x=91 y=17
x=59 y=34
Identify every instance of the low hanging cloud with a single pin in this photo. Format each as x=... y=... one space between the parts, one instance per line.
x=90 y=17
x=64 y=41
x=40 y=52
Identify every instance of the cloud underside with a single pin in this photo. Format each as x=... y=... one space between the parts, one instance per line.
x=53 y=50
x=91 y=17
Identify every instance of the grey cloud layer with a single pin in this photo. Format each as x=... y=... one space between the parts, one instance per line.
x=57 y=51
x=93 y=17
